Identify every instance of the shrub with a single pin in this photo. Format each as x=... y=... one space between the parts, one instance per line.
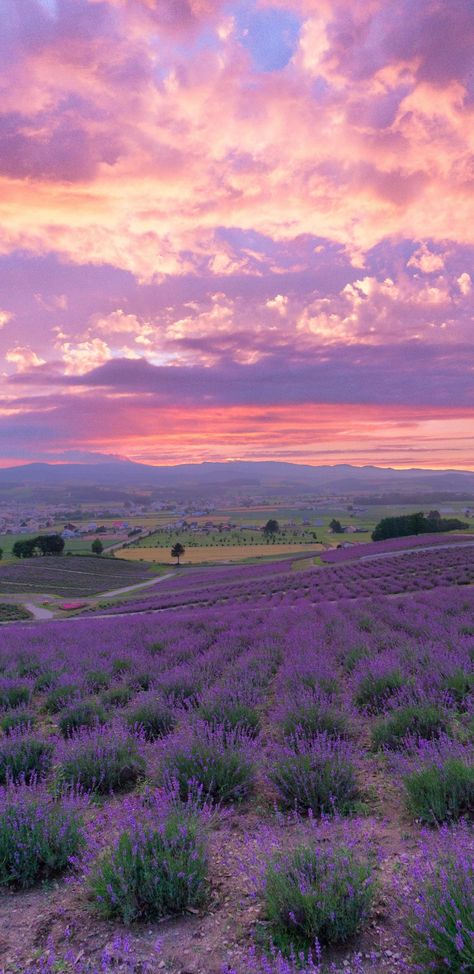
x=373 y=691
x=423 y=721
x=85 y=714
x=154 y=649
x=441 y=792
x=14 y=696
x=309 y=721
x=318 y=778
x=23 y=757
x=97 y=680
x=46 y=681
x=18 y=719
x=459 y=685
x=353 y=657
x=216 y=764
x=141 y=681
x=443 y=916
x=117 y=697
x=60 y=697
x=29 y=666
x=152 y=872
x=100 y=762
x=231 y=716
x=152 y=718
x=120 y=666
x=37 y=837
x=317 y=894
x=181 y=693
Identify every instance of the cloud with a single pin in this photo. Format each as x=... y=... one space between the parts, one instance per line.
x=207 y=224
x=23 y=358
x=84 y=356
x=116 y=147
x=426 y=261
x=465 y=283
x=5 y=317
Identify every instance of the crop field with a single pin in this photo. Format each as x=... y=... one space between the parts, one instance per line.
x=228 y=539
x=70 y=576
x=200 y=554
x=399 y=573
x=73 y=545
x=356 y=551
x=228 y=789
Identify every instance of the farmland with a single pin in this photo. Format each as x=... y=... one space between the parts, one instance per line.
x=198 y=555
x=274 y=582
x=278 y=717
x=70 y=576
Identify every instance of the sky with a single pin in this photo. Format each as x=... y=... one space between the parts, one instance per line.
x=237 y=230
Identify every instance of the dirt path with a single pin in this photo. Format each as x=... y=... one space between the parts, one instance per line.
x=131 y=588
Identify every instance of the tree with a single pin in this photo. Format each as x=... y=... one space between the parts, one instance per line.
x=97 y=547
x=43 y=544
x=49 y=544
x=271 y=527
x=24 y=549
x=1 y=553
x=405 y=525
x=336 y=526
x=177 y=550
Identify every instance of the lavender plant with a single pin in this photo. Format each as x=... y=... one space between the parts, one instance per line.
x=14 y=695
x=424 y=721
x=315 y=893
x=439 y=781
x=87 y=713
x=218 y=763
x=59 y=697
x=442 y=921
x=153 y=870
x=375 y=689
x=17 y=720
x=307 y=721
x=24 y=757
x=100 y=761
x=152 y=718
x=38 y=836
x=316 y=776
x=231 y=715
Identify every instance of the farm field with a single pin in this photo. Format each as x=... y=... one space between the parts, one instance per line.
x=338 y=724
x=73 y=545
x=70 y=576
x=328 y=728
x=200 y=554
x=393 y=545
x=271 y=583
x=235 y=538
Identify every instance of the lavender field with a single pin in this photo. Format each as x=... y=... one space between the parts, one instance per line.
x=390 y=573
x=281 y=780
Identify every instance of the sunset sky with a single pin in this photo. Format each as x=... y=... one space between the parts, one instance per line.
x=237 y=230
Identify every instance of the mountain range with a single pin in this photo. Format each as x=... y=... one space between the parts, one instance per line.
x=339 y=478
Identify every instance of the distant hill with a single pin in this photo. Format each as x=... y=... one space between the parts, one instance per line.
x=338 y=479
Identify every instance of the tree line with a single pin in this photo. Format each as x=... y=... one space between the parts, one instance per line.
x=404 y=525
